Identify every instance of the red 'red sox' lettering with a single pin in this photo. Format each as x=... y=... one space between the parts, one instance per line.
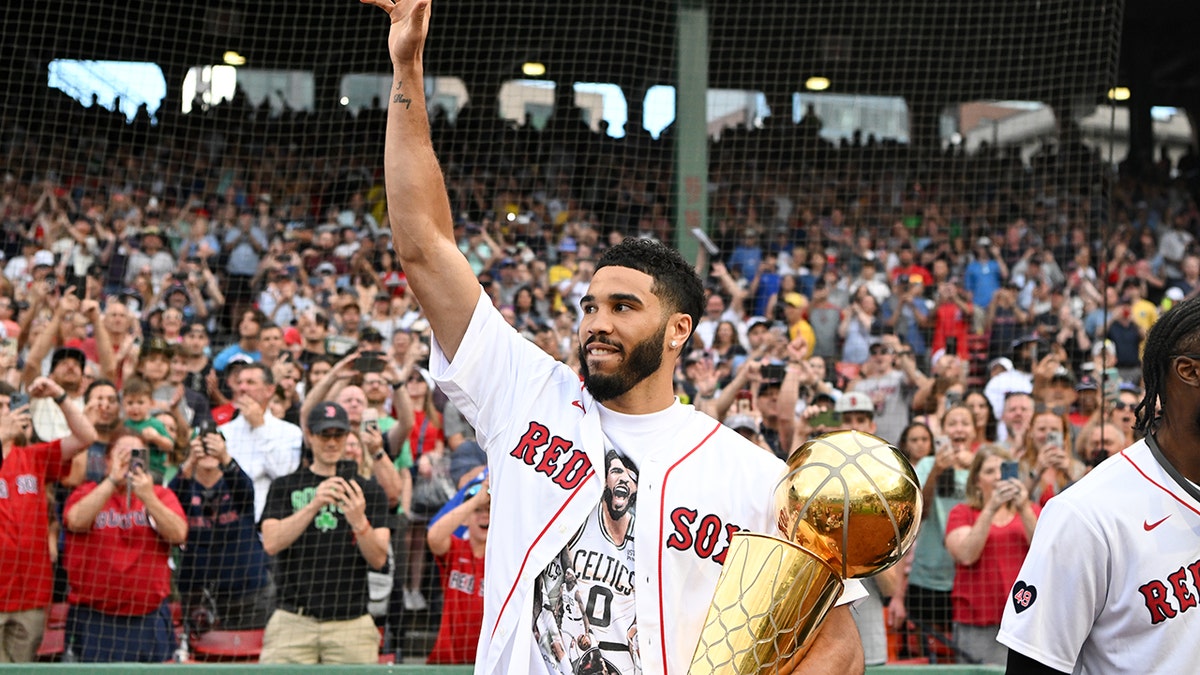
x=1158 y=594
x=565 y=465
x=701 y=536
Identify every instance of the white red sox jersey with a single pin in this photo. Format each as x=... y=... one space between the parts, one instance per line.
x=699 y=483
x=1112 y=579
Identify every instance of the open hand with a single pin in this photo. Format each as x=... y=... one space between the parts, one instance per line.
x=410 y=25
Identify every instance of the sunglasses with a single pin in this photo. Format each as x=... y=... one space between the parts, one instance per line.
x=1122 y=405
x=334 y=433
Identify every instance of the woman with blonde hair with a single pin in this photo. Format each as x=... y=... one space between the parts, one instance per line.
x=943 y=477
x=1047 y=466
x=988 y=535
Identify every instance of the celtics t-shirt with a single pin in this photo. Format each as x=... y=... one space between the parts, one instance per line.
x=585 y=615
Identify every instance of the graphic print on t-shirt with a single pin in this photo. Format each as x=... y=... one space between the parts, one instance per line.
x=585 y=619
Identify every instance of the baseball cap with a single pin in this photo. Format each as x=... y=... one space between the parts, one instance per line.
x=1063 y=375
x=794 y=299
x=465 y=458
x=157 y=345
x=327 y=415
x=68 y=353
x=326 y=268
x=756 y=321
x=1175 y=294
x=568 y=245
x=984 y=242
x=1002 y=361
x=370 y=334
x=43 y=258
x=1086 y=383
x=855 y=401
x=737 y=422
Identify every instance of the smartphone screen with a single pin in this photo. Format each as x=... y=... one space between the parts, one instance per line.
x=370 y=420
x=827 y=419
x=1009 y=470
x=347 y=469
x=1054 y=438
x=744 y=402
x=139 y=457
x=370 y=362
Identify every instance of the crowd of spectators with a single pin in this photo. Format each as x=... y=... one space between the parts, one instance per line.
x=202 y=319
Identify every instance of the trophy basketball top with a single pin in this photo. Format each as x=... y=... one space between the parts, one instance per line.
x=852 y=499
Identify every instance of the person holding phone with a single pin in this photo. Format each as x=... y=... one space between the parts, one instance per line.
x=119 y=537
x=326 y=532
x=224 y=558
x=988 y=536
x=27 y=471
x=1047 y=464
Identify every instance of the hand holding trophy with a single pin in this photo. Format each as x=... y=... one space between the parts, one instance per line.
x=848 y=507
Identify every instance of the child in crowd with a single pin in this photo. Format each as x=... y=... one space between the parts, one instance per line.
x=138 y=404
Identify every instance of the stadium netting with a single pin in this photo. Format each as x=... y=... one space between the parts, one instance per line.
x=854 y=148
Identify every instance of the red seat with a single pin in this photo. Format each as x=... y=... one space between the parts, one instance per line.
x=53 y=642
x=56 y=616
x=227 y=645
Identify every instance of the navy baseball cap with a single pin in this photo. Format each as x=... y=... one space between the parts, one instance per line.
x=328 y=415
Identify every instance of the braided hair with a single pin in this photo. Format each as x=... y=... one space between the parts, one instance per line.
x=1176 y=332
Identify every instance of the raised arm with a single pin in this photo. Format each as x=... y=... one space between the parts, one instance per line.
x=418 y=205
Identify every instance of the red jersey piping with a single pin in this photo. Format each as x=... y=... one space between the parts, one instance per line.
x=662 y=506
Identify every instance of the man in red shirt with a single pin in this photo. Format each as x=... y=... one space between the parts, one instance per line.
x=25 y=470
x=120 y=533
x=461 y=564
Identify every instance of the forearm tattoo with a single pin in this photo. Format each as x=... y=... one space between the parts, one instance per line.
x=399 y=96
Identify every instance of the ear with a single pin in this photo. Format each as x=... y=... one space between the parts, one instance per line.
x=679 y=329
x=1187 y=370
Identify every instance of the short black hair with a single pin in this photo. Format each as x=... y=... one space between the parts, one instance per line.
x=1176 y=332
x=96 y=384
x=675 y=281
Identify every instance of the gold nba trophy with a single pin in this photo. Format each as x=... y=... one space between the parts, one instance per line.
x=848 y=507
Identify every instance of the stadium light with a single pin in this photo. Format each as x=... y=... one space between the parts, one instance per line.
x=533 y=68
x=816 y=83
x=1118 y=94
x=233 y=58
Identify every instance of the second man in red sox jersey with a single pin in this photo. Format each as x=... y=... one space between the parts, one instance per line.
x=1111 y=583
x=1112 y=578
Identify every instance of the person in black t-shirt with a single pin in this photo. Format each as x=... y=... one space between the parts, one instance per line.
x=328 y=532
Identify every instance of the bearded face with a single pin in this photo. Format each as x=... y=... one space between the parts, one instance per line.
x=640 y=363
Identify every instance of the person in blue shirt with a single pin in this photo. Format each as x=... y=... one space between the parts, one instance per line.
x=985 y=273
x=222 y=574
x=249 y=327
